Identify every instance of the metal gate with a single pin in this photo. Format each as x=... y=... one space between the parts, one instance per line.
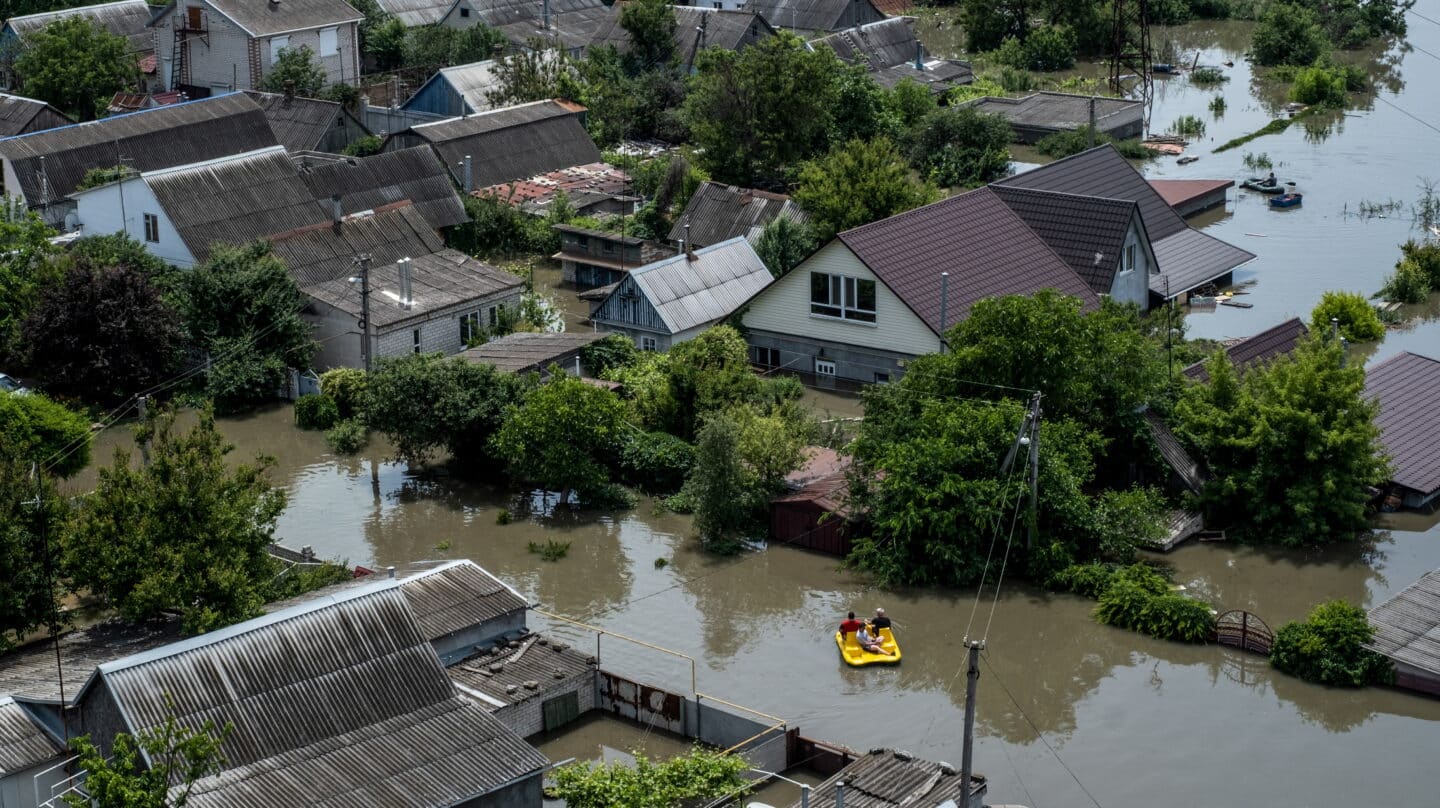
x=1243 y=630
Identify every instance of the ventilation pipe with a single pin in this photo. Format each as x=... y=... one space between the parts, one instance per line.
x=919 y=56
x=407 y=283
x=469 y=175
x=390 y=571
x=545 y=12
x=337 y=214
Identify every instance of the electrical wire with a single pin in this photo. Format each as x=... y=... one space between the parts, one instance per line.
x=1407 y=114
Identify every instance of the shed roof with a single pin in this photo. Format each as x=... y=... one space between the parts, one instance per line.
x=1262 y=347
x=28 y=673
x=874 y=45
x=1175 y=454
x=814 y=15
x=416 y=12
x=939 y=75
x=1407 y=626
x=1088 y=232
x=1177 y=193
x=886 y=778
x=522 y=352
x=503 y=678
x=127 y=18
x=563 y=13
x=18 y=112
x=471 y=82
x=1061 y=111
x=23 y=743
x=270 y=18
x=694 y=289
x=151 y=139
x=319 y=253
x=573 y=23
x=718 y=212
x=368 y=183
x=439 y=281
x=728 y=29
x=513 y=142
x=298 y=123
x=1407 y=386
x=457 y=595
x=820 y=462
x=987 y=249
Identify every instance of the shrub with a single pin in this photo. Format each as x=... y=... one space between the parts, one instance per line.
x=1319 y=86
x=1358 y=320
x=1208 y=77
x=1128 y=520
x=347 y=437
x=655 y=462
x=1188 y=126
x=614 y=351
x=1407 y=284
x=1064 y=144
x=1131 y=602
x=551 y=550
x=1328 y=648
x=1048 y=48
x=1288 y=35
x=1086 y=580
x=1426 y=255
x=316 y=412
x=36 y=429
x=346 y=386
x=1217 y=106
x=1258 y=162
x=1144 y=576
x=1016 y=80
x=363 y=146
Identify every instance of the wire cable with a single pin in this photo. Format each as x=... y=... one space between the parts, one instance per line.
x=1407 y=114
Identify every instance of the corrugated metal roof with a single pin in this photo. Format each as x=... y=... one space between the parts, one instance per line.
x=1408 y=388
x=1103 y=172
x=889 y=779
x=234 y=200
x=298 y=123
x=695 y=30
x=816 y=15
x=416 y=12
x=1175 y=454
x=564 y=14
x=875 y=45
x=539 y=660
x=1087 y=231
x=23 y=743
x=1062 y=111
x=987 y=249
x=318 y=253
x=173 y=135
x=127 y=18
x=18 y=115
x=1190 y=259
x=1407 y=626
x=268 y=18
x=438 y=281
x=29 y=672
x=1266 y=345
x=718 y=212
x=939 y=75
x=691 y=292
x=521 y=352
x=367 y=183
x=458 y=595
x=472 y=82
x=511 y=143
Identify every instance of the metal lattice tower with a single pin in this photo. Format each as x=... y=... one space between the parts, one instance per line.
x=1130 y=56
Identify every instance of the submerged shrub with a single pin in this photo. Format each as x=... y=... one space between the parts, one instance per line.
x=1328 y=648
x=347 y=437
x=316 y=412
x=1357 y=318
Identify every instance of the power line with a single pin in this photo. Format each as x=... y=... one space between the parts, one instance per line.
x=1402 y=111
x=1422 y=16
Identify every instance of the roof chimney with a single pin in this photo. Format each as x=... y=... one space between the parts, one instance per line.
x=289 y=83
x=336 y=212
x=919 y=56
x=469 y=175
x=690 y=253
x=406 y=283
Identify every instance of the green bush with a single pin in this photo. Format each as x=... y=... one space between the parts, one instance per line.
x=1328 y=648
x=1188 y=126
x=1086 y=580
x=1425 y=255
x=347 y=437
x=614 y=351
x=1288 y=35
x=1407 y=284
x=1319 y=86
x=655 y=462
x=346 y=386
x=1064 y=144
x=1358 y=320
x=1208 y=77
x=1048 y=48
x=39 y=430
x=316 y=412
x=1131 y=603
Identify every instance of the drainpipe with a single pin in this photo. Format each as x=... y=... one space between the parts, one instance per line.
x=919 y=56
x=944 y=306
x=469 y=176
x=840 y=794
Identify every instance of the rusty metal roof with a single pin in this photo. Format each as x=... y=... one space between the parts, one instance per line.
x=718 y=212
x=23 y=743
x=511 y=143
x=1087 y=231
x=514 y=675
x=1268 y=344
x=694 y=289
x=366 y=183
x=457 y=595
x=1407 y=386
x=1407 y=626
x=887 y=778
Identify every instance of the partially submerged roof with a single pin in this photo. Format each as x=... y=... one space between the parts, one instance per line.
x=299 y=123
x=173 y=135
x=1272 y=342
x=815 y=15
x=1175 y=454
x=1062 y=111
x=819 y=462
x=523 y=351
x=368 y=183
x=586 y=186
x=887 y=778
x=321 y=252
x=874 y=45
x=19 y=114
x=127 y=18
x=696 y=288
x=28 y=673
x=986 y=248
x=511 y=143
x=937 y=75
x=1407 y=386
x=696 y=29
x=718 y=212
x=1178 y=193
x=504 y=676
x=1087 y=231
x=270 y=18
x=440 y=280
x=1407 y=626
x=24 y=744
x=1192 y=258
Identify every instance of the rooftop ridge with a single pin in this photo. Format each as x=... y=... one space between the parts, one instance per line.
x=100 y=121
x=72 y=10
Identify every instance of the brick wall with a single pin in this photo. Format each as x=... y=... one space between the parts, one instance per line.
x=527 y=717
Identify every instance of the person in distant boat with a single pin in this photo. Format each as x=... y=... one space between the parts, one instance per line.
x=1270 y=181
x=850 y=625
x=869 y=642
x=879 y=621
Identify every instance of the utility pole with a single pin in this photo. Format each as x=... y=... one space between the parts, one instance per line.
x=972 y=679
x=944 y=306
x=42 y=524
x=364 y=278
x=144 y=435
x=1034 y=471
x=1092 y=121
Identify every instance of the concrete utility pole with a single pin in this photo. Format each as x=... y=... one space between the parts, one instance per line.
x=944 y=306
x=364 y=278
x=1034 y=471
x=972 y=679
x=1092 y=121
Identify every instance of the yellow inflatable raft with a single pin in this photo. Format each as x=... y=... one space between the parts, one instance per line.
x=858 y=657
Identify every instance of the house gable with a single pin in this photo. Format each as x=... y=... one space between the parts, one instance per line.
x=784 y=308
x=1134 y=286
x=628 y=306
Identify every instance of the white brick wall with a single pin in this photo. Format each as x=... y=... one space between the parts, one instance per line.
x=221 y=59
x=527 y=718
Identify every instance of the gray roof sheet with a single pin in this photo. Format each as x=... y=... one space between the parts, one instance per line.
x=986 y=247
x=235 y=200
x=719 y=213
x=416 y=12
x=1408 y=388
x=471 y=82
x=1191 y=258
x=1266 y=345
x=1087 y=231
x=689 y=292
x=439 y=280
x=318 y=254
x=28 y=672
x=458 y=595
x=1062 y=111
x=1103 y=172
x=540 y=660
x=1175 y=454
x=151 y=139
x=18 y=113
x=570 y=30
x=889 y=779
x=23 y=743
x=727 y=29
x=512 y=143
x=523 y=351
x=1407 y=626
x=267 y=18
x=875 y=45
x=815 y=15
x=367 y=183
x=299 y=124
x=564 y=14
x=127 y=18
x=939 y=75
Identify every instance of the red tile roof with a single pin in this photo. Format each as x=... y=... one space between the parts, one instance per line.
x=1179 y=192
x=1408 y=388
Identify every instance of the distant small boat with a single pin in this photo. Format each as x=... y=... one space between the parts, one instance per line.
x=1257 y=184
x=1164 y=69
x=1286 y=201
x=1187 y=159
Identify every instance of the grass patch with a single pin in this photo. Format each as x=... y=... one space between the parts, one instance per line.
x=1188 y=126
x=1217 y=106
x=551 y=550
x=1258 y=162
x=1275 y=127
x=1208 y=76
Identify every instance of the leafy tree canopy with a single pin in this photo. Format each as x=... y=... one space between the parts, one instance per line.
x=1288 y=35
x=76 y=66
x=961 y=146
x=858 y=183
x=297 y=68
x=1329 y=648
x=30 y=515
x=783 y=243
x=35 y=429
x=650 y=25
x=25 y=269
x=1357 y=319
x=562 y=436
x=436 y=46
x=178 y=756
x=697 y=777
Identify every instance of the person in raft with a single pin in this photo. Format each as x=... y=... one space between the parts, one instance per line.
x=1270 y=181
x=870 y=642
x=879 y=621
x=850 y=625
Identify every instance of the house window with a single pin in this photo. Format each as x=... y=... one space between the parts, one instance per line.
x=719 y=5
x=647 y=344
x=765 y=357
x=1129 y=260
x=842 y=296
x=607 y=247
x=415 y=341
x=824 y=367
x=492 y=317
x=470 y=327
x=465 y=12
x=583 y=242
x=277 y=44
x=152 y=228
x=882 y=378
x=329 y=41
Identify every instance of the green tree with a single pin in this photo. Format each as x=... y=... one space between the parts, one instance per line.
x=1293 y=446
x=562 y=436
x=694 y=778
x=708 y=374
x=157 y=770
x=869 y=111
x=1126 y=521
x=31 y=513
x=533 y=73
x=987 y=24
x=1329 y=648
x=436 y=46
x=783 y=243
x=961 y=146
x=858 y=183
x=1426 y=256
x=756 y=114
x=385 y=43
x=35 y=429
x=1288 y=35
x=909 y=103
x=650 y=25
x=720 y=486
x=241 y=308
x=102 y=333
x=26 y=268
x=186 y=532
x=76 y=66
x=295 y=68
x=1357 y=319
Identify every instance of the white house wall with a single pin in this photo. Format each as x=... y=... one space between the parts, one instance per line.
x=339 y=332
x=99 y=211
x=1134 y=286
x=221 y=60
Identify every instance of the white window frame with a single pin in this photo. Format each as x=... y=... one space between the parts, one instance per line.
x=842 y=298
x=824 y=367
x=1127 y=257
x=277 y=44
x=333 y=35
x=152 y=228
x=649 y=344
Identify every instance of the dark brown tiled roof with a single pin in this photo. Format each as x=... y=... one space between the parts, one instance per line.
x=1262 y=347
x=1102 y=172
x=987 y=249
x=511 y=143
x=889 y=779
x=1408 y=388
x=367 y=183
x=719 y=212
x=1191 y=258
x=1087 y=231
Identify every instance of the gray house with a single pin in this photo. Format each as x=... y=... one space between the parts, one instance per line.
x=30 y=757
x=590 y=258
x=125 y=18
x=718 y=212
x=673 y=300
x=19 y=115
x=816 y=17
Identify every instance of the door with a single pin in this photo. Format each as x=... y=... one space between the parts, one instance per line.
x=561 y=710
x=192 y=21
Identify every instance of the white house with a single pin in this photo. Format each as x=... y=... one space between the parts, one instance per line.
x=222 y=45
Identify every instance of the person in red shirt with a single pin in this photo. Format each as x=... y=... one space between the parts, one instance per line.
x=850 y=625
